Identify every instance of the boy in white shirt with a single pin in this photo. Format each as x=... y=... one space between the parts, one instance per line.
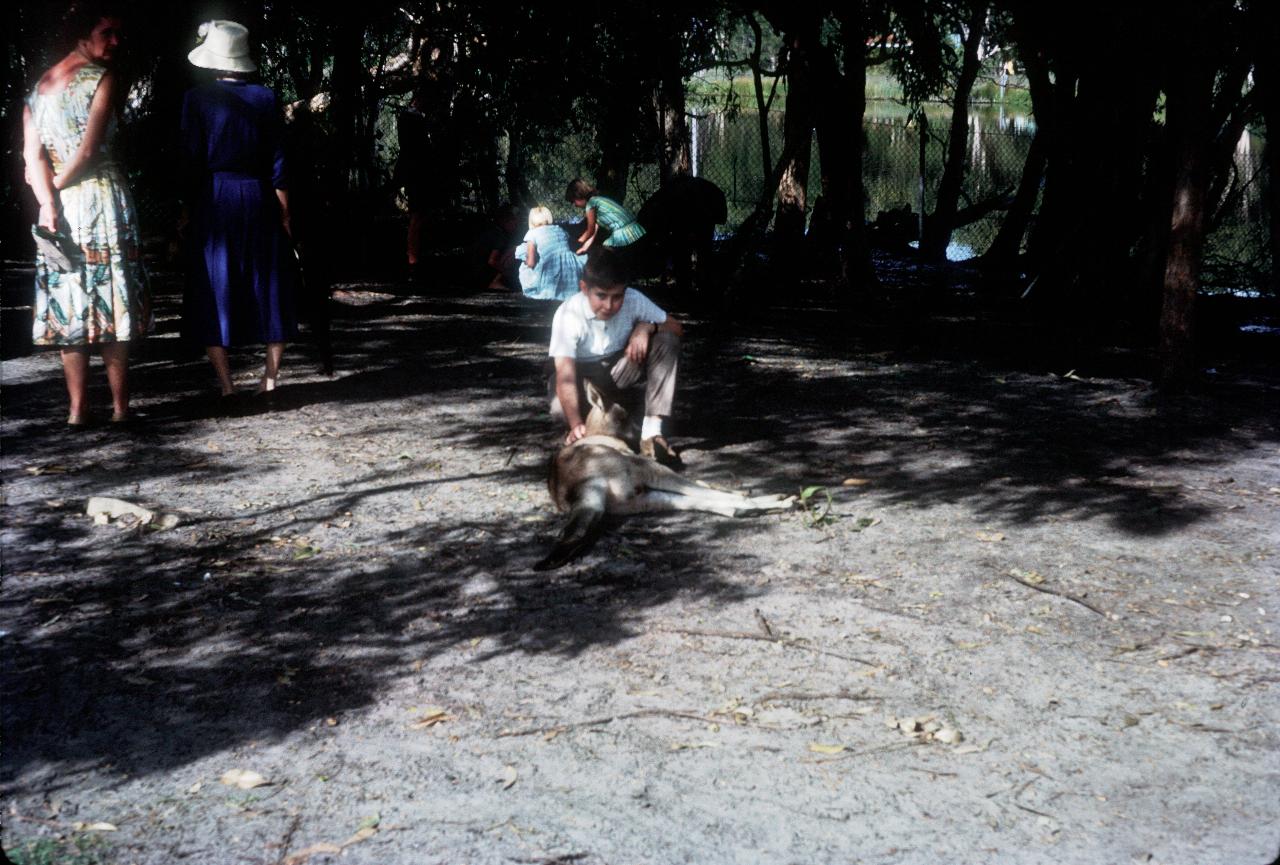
x=614 y=336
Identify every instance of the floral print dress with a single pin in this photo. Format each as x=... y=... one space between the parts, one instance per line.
x=105 y=298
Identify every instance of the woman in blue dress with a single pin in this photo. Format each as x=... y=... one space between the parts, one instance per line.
x=241 y=278
x=549 y=269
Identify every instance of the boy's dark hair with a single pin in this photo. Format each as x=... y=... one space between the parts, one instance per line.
x=579 y=190
x=604 y=269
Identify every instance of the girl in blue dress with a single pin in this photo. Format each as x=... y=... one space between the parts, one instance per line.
x=549 y=269
x=241 y=279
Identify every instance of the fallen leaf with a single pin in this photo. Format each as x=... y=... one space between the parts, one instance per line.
x=689 y=746
x=854 y=482
x=361 y=835
x=430 y=719
x=1031 y=577
x=51 y=469
x=96 y=827
x=195 y=788
x=785 y=718
x=314 y=850
x=949 y=736
x=819 y=748
x=244 y=779
x=509 y=776
x=991 y=537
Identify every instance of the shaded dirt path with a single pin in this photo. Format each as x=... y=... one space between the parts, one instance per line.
x=1077 y=576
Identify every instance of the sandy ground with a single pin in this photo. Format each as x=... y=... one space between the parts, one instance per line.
x=1027 y=616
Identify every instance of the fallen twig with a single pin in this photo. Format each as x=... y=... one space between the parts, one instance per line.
x=773 y=696
x=1034 y=811
x=782 y=641
x=1056 y=593
x=764 y=624
x=288 y=838
x=595 y=722
x=912 y=744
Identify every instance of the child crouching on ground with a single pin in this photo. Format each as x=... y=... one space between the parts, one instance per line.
x=616 y=337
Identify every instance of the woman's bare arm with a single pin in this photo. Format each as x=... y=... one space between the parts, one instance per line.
x=38 y=171
x=95 y=132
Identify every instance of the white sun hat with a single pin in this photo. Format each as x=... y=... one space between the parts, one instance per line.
x=225 y=47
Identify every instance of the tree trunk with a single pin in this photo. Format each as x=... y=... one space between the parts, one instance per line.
x=762 y=105
x=616 y=131
x=1189 y=101
x=1268 y=80
x=1006 y=247
x=517 y=181
x=789 y=217
x=840 y=148
x=941 y=223
x=345 y=105
x=675 y=159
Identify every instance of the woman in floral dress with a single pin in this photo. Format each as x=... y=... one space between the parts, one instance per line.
x=101 y=301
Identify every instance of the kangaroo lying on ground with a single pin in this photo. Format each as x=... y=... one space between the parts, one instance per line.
x=600 y=473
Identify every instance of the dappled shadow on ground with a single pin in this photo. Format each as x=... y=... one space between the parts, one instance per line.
x=126 y=654
x=139 y=657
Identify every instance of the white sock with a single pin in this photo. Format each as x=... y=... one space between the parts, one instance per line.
x=652 y=426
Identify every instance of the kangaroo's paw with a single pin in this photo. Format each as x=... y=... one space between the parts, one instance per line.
x=759 y=504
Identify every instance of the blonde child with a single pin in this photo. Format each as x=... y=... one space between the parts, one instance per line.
x=549 y=269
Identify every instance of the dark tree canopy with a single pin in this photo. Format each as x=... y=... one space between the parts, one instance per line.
x=502 y=84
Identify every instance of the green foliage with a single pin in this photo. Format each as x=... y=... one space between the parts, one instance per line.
x=817 y=503
x=78 y=850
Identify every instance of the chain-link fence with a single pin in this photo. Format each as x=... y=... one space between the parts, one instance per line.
x=726 y=150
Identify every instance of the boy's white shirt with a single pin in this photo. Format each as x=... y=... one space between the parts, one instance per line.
x=577 y=333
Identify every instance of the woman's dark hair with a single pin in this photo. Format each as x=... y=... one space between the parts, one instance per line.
x=579 y=189
x=83 y=15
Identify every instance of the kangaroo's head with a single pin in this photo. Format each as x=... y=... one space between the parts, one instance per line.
x=604 y=419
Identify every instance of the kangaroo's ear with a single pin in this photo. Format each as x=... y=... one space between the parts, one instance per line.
x=594 y=396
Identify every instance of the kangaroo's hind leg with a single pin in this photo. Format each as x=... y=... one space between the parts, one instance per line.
x=667 y=491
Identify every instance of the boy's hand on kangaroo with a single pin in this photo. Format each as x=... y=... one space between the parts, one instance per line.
x=575 y=433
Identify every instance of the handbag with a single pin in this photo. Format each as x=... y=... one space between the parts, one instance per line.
x=61 y=252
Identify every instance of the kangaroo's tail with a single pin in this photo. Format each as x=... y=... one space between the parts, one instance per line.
x=586 y=519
